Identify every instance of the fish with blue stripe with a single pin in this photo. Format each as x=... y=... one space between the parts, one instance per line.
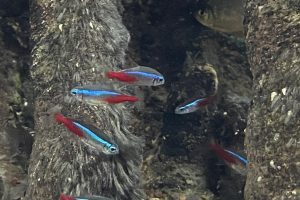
x=143 y=76
x=193 y=105
x=240 y=158
x=233 y=160
x=66 y=197
x=97 y=95
x=95 y=139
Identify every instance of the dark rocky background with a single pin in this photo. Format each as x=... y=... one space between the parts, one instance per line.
x=164 y=35
x=177 y=162
x=16 y=98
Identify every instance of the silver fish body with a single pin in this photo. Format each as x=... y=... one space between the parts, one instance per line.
x=91 y=94
x=145 y=76
x=97 y=95
x=224 y=16
x=191 y=105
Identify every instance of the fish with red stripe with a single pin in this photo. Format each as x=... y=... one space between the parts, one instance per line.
x=66 y=197
x=96 y=95
x=193 y=105
x=143 y=76
x=233 y=160
x=93 y=138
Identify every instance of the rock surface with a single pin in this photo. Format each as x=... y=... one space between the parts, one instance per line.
x=272 y=141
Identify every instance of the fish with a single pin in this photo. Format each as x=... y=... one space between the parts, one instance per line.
x=94 y=95
x=222 y=153
x=233 y=160
x=243 y=160
x=223 y=16
x=65 y=197
x=192 y=105
x=142 y=76
x=96 y=140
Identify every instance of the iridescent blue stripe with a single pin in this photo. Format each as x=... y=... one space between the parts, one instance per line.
x=93 y=135
x=144 y=74
x=94 y=92
x=244 y=161
x=192 y=104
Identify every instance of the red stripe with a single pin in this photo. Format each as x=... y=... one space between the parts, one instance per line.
x=65 y=197
x=69 y=124
x=222 y=153
x=120 y=99
x=206 y=101
x=121 y=76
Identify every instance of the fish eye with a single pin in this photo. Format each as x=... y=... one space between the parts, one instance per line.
x=113 y=149
x=73 y=91
x=181 y=109
x=160 y=79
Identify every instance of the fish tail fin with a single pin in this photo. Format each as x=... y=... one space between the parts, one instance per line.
x=121 y=76
x=121 y=98
x=222 y=153
x=65 y=197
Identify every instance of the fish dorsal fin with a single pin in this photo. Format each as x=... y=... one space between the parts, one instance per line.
x=142 y=69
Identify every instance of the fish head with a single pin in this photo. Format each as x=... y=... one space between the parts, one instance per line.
x=184 y=109
x=112 y=149
x=205 y=17
x=76 y=93
x=223 y=16
x=158 y=80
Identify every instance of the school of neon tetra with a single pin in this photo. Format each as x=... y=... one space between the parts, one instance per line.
x=102 y=143
x=94 y=138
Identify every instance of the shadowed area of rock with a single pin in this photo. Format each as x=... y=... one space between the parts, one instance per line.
x=15 y=120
